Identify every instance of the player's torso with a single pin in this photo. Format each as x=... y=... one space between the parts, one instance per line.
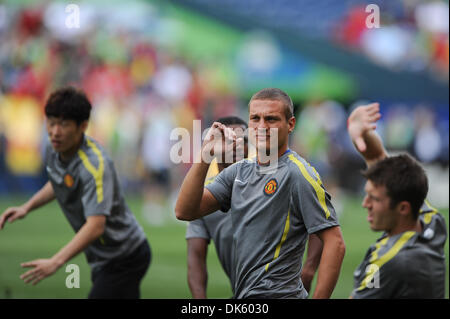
x=268 y=232
x=67 y=182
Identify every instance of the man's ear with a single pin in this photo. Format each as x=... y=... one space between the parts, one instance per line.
x=84 y=126
x=291 y=123
x=404 y=208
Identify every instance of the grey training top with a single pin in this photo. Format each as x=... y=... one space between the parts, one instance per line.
x=86 y=186
x=272 y=213
x=406 y=265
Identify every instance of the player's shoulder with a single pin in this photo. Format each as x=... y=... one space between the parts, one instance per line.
x=244 y=165
x=434 y=232
x=300 y=168
x=428 y=213
x=249 y=162
x=93 y=149
x=94 y=158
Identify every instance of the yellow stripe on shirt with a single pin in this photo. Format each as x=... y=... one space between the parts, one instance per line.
x=315 y=184
x=428 y=215
x=283 y=239
x=379 y=262
x=96 y=173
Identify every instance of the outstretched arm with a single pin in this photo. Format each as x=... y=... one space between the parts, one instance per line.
x=361 y=128
x=42 y=197
x=42 y=268
x=197 y=271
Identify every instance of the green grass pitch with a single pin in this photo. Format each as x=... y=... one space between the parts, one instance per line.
x=45 y=231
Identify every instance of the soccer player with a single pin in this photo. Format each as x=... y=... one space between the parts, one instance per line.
x=408 y=260
x=217 y=227
x=273 y=207
x=83 y=180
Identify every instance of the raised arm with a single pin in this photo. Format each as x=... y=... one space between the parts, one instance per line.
x=42 y=197
x=195 y=201
x=361 y=128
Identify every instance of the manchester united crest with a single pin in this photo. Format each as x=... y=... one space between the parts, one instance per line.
x=68 y=180
x=271 y=187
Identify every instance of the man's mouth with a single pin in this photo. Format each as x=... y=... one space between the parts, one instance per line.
x=56 y=143
x=262 y=137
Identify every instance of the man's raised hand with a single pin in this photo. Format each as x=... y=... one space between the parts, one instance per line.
x=362 y=120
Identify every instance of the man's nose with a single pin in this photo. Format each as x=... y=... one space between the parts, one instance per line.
x=55 y=130
x=262 y=125
x=365 y=202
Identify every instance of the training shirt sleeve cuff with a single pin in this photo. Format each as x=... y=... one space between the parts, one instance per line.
x=218 y=190
x=320 y=227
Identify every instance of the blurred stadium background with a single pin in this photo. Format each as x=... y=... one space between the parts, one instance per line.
x=151 y=66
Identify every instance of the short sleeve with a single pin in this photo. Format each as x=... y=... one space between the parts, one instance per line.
x=98 y=192
x=313 y=203
x=197 y=229
x=222 y=187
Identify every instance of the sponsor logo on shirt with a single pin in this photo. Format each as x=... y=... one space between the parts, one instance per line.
x=271 y=187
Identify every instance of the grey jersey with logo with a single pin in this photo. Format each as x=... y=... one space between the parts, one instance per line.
x=87 y=186
x=406 y=265
x=272 y=213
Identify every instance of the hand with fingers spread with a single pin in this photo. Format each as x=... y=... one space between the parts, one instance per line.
x=362 y=120
x=11 y=214
x=42 y=268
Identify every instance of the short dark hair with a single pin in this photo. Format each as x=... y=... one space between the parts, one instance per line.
x=232 y=120
x=277 y=95
x=68 y=103
x=404 y=179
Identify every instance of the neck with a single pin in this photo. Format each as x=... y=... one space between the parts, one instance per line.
x=266 y=161
x=410 y=225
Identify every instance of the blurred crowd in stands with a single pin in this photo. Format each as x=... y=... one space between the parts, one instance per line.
x=141 y=89
x=414 y=35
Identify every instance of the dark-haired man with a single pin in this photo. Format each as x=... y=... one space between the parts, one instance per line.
x=408 y=260
x=273 y=205
x=83 y=180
